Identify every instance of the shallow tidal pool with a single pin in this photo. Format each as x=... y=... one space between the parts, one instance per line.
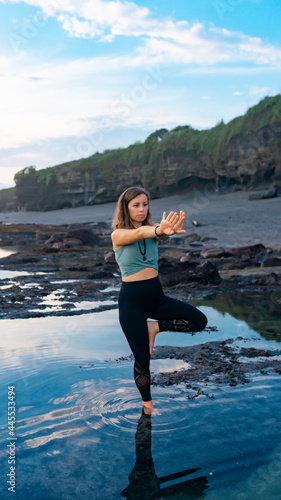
x=80 y=432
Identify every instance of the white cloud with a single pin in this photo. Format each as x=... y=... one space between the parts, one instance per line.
x=162 y=40
x=78 y=97
x=256 y=91
x=73 y=98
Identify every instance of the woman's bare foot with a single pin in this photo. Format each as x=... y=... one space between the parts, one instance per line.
x=153 y=329
x=149 y=409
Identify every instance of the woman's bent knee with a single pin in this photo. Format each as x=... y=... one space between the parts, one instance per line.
x=202 y=322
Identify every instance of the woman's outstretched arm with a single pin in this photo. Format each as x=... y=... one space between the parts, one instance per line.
x=122 y=237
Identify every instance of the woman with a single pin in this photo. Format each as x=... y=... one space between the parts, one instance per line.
x=135 y=242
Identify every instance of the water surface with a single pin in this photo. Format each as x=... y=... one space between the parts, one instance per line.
x=81 y=433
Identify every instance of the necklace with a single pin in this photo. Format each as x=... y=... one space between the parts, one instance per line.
x=144 y=250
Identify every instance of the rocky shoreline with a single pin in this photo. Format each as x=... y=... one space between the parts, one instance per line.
x=70 y=269
x=60 y=270
x=212 y=365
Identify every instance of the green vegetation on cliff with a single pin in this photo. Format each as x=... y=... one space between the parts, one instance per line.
x=247 y=150
x=161 y=143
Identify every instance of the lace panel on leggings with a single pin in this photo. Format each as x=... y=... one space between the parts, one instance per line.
x=174 y=325
x=142 y=380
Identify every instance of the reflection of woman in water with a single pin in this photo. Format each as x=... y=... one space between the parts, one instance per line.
x=135 y=240
x=144 y=483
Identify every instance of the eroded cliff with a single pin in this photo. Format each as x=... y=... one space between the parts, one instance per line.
x=246 y=152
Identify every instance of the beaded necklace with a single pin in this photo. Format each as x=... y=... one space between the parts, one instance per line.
x=144 y=250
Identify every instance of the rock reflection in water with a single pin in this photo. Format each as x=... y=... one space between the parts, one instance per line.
x=261 y=311
x=144 y=482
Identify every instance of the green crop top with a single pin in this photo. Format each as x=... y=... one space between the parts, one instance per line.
x=130 y=260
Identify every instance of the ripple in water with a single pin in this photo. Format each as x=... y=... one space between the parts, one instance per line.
x=122 y=408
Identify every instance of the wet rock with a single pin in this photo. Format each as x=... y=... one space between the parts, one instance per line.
x=73 y=238
x=187 y=273
x=101 y=274
x=271 y=262
x=103 y=271
x=72 y=242
x=206 y=239
x=196 y=244
x=261 y=195
x=188 y=257
x=109 y=257
x=173 y=240
x=194 y=248
x=19 y=259
x=59 y=245
x=87 y=236
x=173 y=274
x=232 y=265
x=218 y=363
x=206 y=272
x=251 y=352
x=165 y=266
x=41 y=237
x=55 y=248
x=248 y=252
x=210 y=253
x=191 y=237
x=55 y=238
x=24 y=301
x=270 y=279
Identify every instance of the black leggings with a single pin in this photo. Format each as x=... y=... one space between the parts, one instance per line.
x=140 y=300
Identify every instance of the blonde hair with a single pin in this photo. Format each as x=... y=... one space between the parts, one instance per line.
x=122 y=219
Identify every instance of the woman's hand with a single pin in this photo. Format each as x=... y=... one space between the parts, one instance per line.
x=167 y=223
x=178 y=226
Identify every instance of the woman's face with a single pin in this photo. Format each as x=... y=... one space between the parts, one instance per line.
x=138 y=209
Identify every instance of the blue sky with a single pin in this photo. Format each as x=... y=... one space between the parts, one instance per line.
x=80 y=76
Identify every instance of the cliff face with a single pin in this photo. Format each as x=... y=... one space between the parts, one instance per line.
x=74 y=187
x=8 y=200
x=246 y=151
x=254 y=158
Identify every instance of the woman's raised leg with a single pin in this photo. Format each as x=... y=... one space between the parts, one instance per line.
x=176 y=316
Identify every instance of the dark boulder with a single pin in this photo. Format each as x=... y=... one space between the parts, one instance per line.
x=72 y=242
x=173 y=274
x=249 y=251
x=214 y=253
x=206 y=272
x=109 y=257
x=55 y=238
x=262 y=195
x=272 y=261
x=165 y=266
x=102 y=272
x=87 y=236
x=187 y=257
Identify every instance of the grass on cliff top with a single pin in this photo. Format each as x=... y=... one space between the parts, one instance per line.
x=162 y=143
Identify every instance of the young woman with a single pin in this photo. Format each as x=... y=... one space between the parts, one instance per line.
x=141 y=296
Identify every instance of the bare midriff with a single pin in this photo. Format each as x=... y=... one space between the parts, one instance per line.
x=144 y=274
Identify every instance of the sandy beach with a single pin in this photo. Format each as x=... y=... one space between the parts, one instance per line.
x=230 y=218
